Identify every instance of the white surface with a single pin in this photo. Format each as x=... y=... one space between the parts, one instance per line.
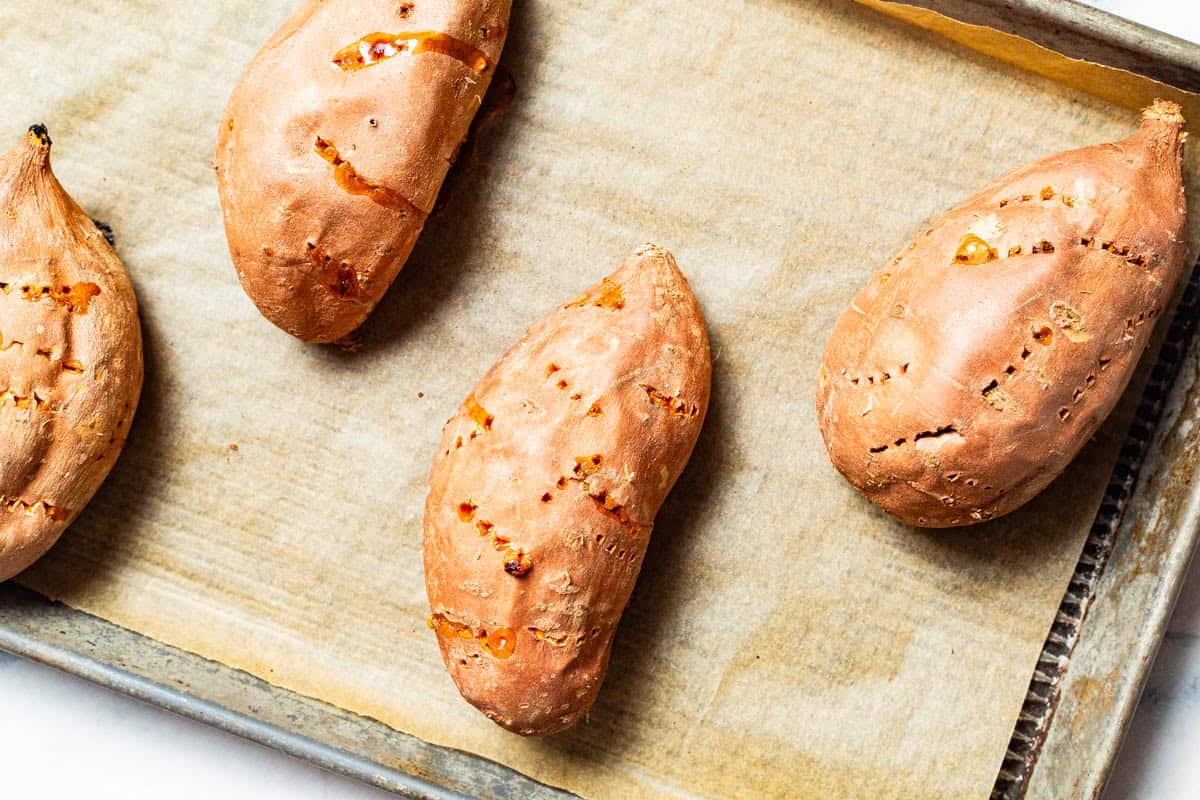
x=1159 y=759
x=62 y=737
x=1178 y=17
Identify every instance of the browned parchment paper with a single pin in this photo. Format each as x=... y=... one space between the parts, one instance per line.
x=785 y=638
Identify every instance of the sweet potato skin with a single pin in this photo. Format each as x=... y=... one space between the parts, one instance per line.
x=315 y=256
x=969 y=372
x=545 y=487
x=70 y=356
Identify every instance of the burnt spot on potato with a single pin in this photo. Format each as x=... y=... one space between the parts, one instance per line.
x=346 y=285
x=517 y=563
x=106 y=230
x=501 y=543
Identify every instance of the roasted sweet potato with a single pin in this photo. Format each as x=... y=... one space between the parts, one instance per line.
x=973 y=367
x=335 y=144
x=70 y=356
x=546 y=485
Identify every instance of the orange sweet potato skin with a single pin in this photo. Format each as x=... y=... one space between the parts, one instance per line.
x=328 y=166
x=70 y=356
x=545 y=487
x=973 y=367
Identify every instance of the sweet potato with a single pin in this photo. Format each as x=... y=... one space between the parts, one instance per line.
x=335 y=144
x=545 y=487
x=70 y=356
x=973 y=367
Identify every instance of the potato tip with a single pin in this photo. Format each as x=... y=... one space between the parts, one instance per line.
x=41 y=133
x=650 y=249
x=1164 y=111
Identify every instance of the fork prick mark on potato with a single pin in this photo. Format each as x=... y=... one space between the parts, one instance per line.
x=1025 y=312
x=325 y=92
x=74 y=298
x=65 y=303
x=568 y=496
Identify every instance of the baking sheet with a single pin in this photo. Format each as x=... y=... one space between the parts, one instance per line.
x=1128 y=601
x=785 y=638
x=994 y=29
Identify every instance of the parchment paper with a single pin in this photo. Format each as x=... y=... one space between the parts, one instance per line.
x=785 y=638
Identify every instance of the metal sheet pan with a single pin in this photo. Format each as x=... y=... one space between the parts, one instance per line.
x=1108 y=628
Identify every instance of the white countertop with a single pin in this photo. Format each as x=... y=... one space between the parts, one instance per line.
x=62 y=737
